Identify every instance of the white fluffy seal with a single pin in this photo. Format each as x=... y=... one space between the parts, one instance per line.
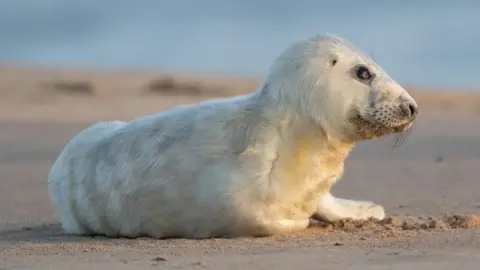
x=253 y=165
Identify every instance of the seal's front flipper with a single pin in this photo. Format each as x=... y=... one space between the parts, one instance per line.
x=330 y=208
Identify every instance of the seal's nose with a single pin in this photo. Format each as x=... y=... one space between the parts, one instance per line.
x=409 y=109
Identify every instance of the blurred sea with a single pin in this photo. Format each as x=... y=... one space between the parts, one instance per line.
x=432 y=42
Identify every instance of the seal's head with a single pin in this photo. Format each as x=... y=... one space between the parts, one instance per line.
x=333 y=84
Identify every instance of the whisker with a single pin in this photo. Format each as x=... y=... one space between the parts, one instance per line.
x=400 y=138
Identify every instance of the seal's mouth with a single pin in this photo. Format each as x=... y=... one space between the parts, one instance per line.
x=369 y=128
x=403 y=128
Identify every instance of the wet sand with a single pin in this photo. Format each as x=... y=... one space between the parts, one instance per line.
x=429 y=185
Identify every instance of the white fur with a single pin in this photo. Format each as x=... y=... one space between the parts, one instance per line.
x=252 y=165
x=331 y=208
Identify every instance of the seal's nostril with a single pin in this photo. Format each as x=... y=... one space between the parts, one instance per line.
x=413 y=109
x=409 y=109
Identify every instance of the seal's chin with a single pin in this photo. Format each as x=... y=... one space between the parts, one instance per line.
x=368 y=128
x=403 y=127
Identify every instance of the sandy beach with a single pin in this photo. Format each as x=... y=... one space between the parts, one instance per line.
x=429 y=185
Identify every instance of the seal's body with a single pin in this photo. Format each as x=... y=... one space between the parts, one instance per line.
x=253 y=165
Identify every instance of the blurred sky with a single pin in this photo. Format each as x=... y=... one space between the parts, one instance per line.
x=417 y=41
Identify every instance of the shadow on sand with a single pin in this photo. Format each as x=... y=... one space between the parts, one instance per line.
x=45 y=233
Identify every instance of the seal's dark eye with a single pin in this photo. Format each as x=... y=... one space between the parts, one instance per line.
x=363 y=74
